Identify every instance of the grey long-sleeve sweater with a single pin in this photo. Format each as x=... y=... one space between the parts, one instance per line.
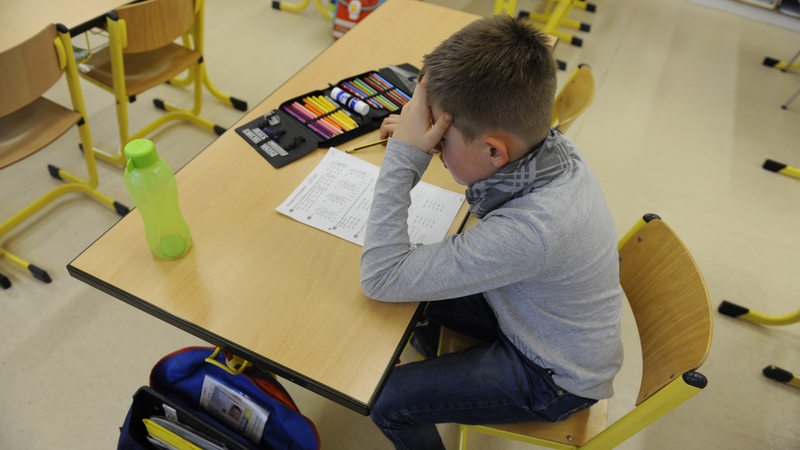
x=544 y=255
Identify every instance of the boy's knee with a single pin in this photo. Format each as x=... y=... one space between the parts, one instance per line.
x=383 y=410
x=377 y=416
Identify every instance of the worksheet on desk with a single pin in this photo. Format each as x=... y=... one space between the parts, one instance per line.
x=337 y=195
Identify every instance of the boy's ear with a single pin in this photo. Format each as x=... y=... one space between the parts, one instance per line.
x=498 y=150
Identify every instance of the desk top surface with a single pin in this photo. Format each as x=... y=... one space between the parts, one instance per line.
x=21 y=19
x=261 y=284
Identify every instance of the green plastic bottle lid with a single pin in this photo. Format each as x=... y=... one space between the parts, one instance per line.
x=141 y=152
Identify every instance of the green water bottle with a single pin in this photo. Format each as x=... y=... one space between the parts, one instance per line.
x=152 y=188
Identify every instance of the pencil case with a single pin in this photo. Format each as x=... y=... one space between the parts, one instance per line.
x=328 y=117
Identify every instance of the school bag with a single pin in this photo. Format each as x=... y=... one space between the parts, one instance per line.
x=349 y=12
x=199 y=399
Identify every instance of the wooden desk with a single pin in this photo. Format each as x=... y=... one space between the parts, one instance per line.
x=21 y=19
x=274 y=291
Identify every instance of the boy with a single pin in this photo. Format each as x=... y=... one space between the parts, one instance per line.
x=537 y=277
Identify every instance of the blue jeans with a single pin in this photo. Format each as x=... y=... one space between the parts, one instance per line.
x=491 y=383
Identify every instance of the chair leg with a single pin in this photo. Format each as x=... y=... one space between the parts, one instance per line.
x=117 y=158
x=785 y=106
x=740 y=312
x=229 y=100
x=174 y=113
x=505 y=7
x=586 y=6
x=782 y=375
x=301 y=5
x=462 y=437
x=234 y=102
x=291 y=7
x=73 y=184
x=783 y=169
x=555 y=16
x=783 y=65
x=37 y=272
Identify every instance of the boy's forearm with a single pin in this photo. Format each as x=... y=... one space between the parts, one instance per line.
x=386 y=240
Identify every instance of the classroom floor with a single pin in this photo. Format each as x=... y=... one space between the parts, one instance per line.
x=684 y=116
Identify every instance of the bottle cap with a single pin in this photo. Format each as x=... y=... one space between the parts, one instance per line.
x=141 y=152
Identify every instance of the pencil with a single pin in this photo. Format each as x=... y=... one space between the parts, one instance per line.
x=367 y=145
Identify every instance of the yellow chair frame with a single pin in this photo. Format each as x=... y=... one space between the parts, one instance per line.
x=743 y=313
x=672 y=309
x=234 y=102
x=141 y=54
x=781 y=168
x=574 y=98
x=29 y=122
x=553 y=17
x=326 y=12
x=784 y=66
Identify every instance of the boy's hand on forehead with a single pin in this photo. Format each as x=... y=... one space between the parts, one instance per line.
x=416 y=125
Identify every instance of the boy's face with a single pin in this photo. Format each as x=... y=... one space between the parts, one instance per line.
x=468 y=163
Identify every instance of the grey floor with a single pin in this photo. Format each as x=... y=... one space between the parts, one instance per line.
x=684 y=116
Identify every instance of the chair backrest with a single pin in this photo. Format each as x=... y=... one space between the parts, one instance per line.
x=29 y=69
x=574 y=98
x=152 y=24
x=669 y=300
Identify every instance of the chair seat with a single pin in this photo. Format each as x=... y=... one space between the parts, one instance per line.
x=26 y=131
x=144 y=70
x=576 y=430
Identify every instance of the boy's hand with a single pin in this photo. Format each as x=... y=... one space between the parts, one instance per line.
x=388 y=125
x=414 y=126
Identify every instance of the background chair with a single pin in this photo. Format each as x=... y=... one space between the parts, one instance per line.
x=670 y=303
x=574 y=98
x=142 y=54
x=30 y=122
x=553 y=17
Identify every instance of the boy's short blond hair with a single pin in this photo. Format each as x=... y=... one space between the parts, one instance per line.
x=496 y=73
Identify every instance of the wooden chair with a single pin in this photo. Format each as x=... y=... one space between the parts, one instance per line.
x=672 y=309
x=142 y=53
x=30 y=122
x=574 y=98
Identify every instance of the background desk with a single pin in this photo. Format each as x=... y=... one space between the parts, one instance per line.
x=274 y=291
x=21 y=19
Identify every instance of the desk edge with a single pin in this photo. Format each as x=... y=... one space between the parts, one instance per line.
x=214 y=339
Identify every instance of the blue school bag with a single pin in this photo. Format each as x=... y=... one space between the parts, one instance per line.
x=231 y=402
